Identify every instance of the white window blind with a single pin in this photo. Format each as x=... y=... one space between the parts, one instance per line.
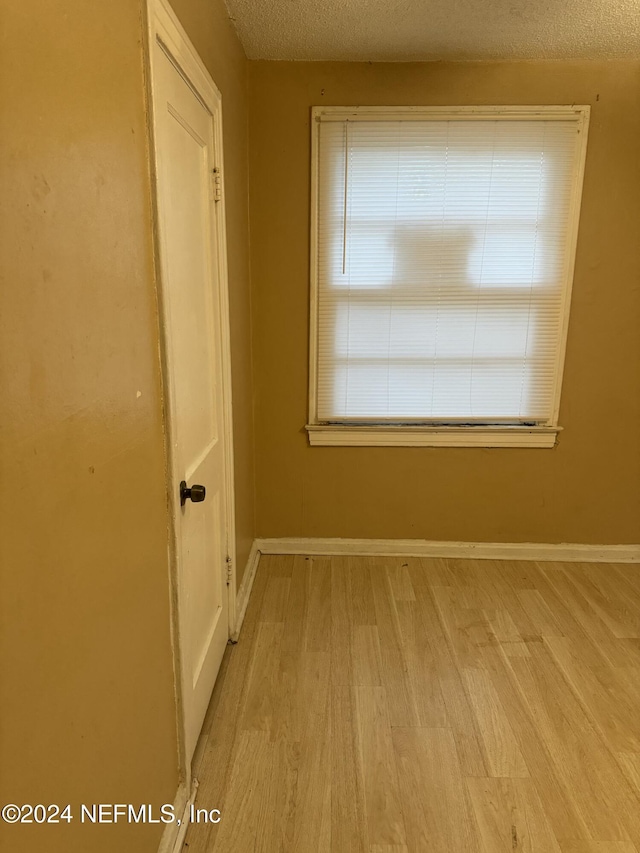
x=444 y=253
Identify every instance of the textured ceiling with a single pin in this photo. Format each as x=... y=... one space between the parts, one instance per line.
x=402 y=30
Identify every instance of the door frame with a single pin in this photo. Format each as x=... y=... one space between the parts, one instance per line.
x=163 y=27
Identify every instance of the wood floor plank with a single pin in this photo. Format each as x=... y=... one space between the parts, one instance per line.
x=349 y=830
x=510 y=817
x=503 y=626
x=363 y=609
x=558 y=804
x=503 y=583
x=629 y=571
x=400 y=580
x=283 y=769
x=341 y=623
x=437 y=810
x=459 y=715
x=610 y=696
x=385 y=819
x=421 y=665
x=318 y=622
x=276 y=595
x=629 y=649
x=630 y=763
x=435 y=570
x=609 y=596
x=605 y=801
x=423 y=672
x=506 y=633
x=584 y=622
x=458 y=712
x=300 y=683
x=402 y=706
x=280 y=565
x=366 y=654
x=308 y=825
x=562 y=599
x=297 y=604
x=519 y=574
x=536 y=608
x=469 y=631
x=471 y=580
x=248 y=806
x=410 y=624
x=502 y=752
x=615 y=582
x=258 y=712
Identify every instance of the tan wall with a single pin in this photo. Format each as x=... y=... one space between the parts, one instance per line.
x=208 y=26
x=585 y=490
x=86 y=682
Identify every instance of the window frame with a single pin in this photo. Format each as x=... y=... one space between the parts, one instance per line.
x=430 y=434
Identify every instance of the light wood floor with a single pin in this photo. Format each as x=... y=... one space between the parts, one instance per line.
x=393 y=705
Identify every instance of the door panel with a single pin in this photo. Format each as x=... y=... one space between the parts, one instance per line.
x=192 y=319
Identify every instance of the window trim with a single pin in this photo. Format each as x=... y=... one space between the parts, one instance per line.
x=350 y=435
x=411 y=435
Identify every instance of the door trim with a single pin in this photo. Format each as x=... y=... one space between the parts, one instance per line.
x=163 y=27
x=174 y=833
x=246 y=586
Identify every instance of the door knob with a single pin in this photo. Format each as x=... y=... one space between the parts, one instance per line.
x=195 y=493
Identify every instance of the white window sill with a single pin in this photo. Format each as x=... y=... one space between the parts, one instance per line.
x=425 y=436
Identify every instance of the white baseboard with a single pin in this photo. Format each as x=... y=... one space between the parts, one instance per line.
x=460 y=550
x=242 y=599
x=174 y=833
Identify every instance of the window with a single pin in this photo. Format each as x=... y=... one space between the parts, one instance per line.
x=443 y=243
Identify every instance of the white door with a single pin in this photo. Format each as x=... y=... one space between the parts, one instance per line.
x=193 y=312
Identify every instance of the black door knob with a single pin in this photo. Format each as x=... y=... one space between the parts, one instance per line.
x=195 y=493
